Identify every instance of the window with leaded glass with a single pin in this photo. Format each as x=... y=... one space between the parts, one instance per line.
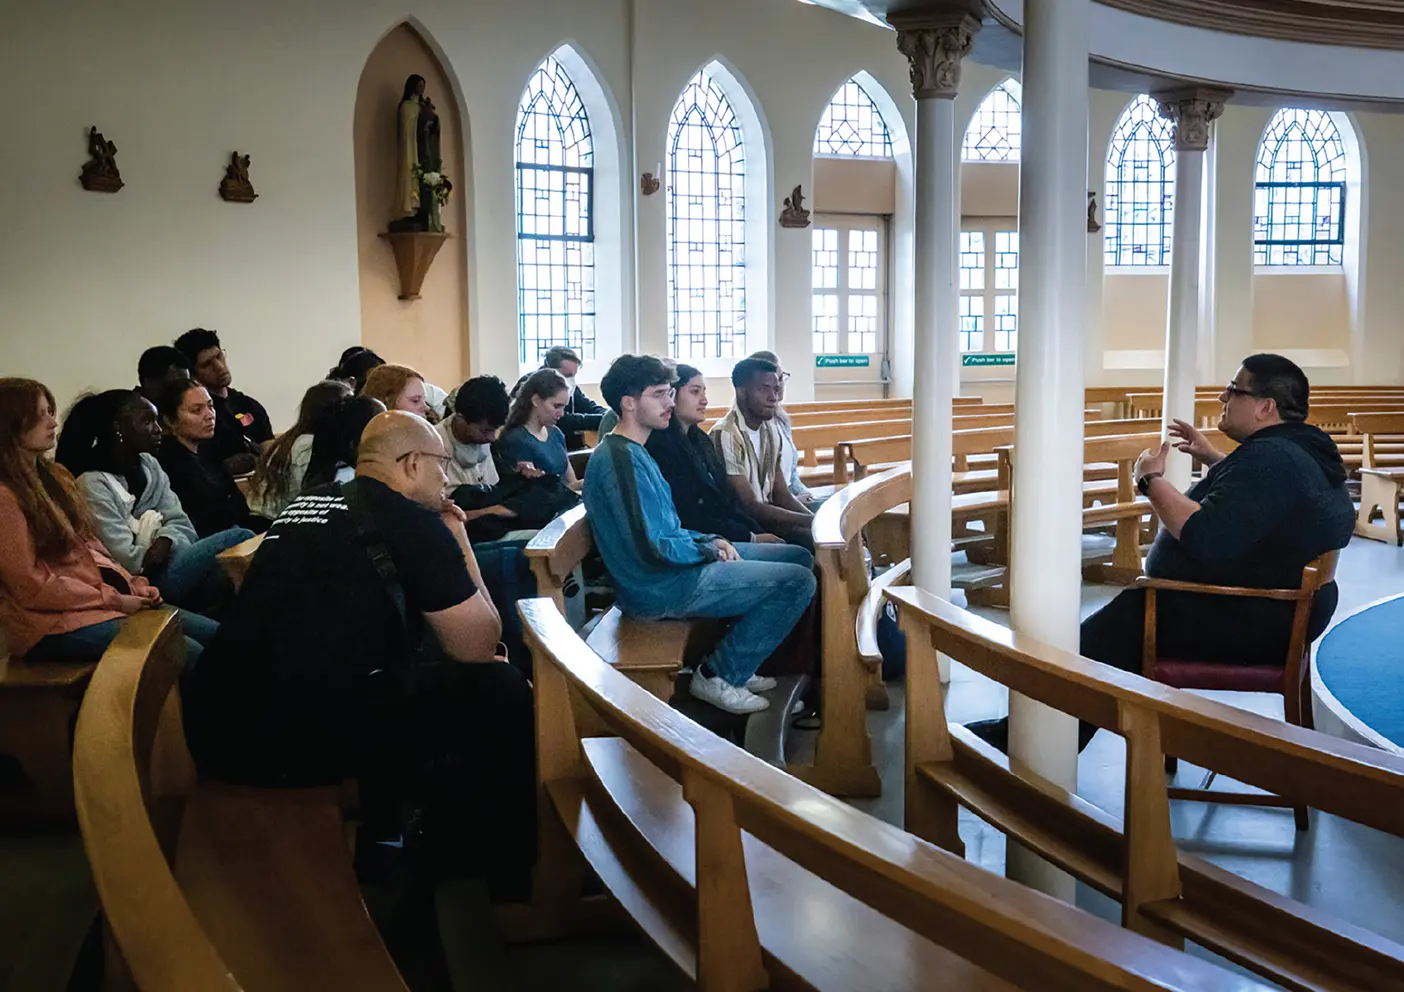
x=994 y=131
x=555 y=217
x=1299 y=200
x=852 y=125
x=1139 y=200
x=706 y=225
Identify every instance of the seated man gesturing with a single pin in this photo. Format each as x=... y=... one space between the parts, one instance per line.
x=1257 y=518
x=662 y=571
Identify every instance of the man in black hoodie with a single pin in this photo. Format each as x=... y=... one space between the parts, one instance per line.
x=1257 y=518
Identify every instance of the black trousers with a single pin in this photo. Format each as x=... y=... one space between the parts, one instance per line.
x=1229 y=631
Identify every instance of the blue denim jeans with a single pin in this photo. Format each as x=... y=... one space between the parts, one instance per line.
x=767 y=592
x=89 y=643
x=193 y=577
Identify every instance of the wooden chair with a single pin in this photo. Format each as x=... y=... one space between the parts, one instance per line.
x=1290 y=680
x=38 y=703
x=205 y=886
x=1165 y=893
x=748 y=879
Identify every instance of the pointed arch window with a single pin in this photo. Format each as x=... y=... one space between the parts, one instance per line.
x=1140 y=193
x=995 y=131
x=853 y=126
x=555 y=217
x=706 y=225
x=1299 y=198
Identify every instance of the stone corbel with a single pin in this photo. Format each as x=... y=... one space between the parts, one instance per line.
x=1192 y=110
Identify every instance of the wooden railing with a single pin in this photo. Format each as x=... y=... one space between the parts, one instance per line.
x=1165 y=893
x=747 y=878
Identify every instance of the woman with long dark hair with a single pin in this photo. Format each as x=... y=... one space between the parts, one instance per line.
x=108 y=443
x=283 y=464
x=336 y=440
x=62 y=596
x=207 y=491
x=355 y=364
x=531 y=444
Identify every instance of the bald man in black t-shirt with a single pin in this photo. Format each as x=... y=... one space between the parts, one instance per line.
x=362 y=645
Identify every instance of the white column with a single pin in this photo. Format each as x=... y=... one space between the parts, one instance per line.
x=1046 y=525
x=1192 y=111
x=935 y=46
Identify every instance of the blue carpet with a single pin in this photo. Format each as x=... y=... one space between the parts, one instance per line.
x=1362 y=662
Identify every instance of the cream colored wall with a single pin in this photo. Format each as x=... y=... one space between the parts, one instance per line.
x=854 y=186
x=429 y=334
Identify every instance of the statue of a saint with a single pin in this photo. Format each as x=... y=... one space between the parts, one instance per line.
x=407 y=161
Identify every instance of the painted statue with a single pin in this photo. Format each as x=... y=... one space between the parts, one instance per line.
x=407 y=161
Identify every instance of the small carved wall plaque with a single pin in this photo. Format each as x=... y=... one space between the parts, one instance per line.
x=794 y=214
x=100 y=172
x=235 y=186
x=649 y=184
x=1092 y=226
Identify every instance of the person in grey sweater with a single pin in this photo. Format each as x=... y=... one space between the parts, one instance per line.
x=108 y=443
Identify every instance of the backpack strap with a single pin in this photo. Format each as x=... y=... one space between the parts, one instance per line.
x=374 y=544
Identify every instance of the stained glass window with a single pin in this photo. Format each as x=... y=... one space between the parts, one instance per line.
x=706 y=225
x=1299 y=201
x=852 y=125
x=826 y=294
x=555 y=217
x=972 y=290
x=1140 y=194
x=993 y=134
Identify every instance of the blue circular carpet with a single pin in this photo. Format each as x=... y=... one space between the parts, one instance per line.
x=1362 y=662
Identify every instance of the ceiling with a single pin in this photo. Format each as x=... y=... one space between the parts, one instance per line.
x=1366 y=23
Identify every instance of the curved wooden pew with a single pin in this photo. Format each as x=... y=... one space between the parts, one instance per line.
x=205 y=886
x=237 y=561
x=1165 y=893
x=749 y=879
x=38 y=701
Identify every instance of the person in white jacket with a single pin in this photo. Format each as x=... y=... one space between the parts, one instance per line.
x=107 y=442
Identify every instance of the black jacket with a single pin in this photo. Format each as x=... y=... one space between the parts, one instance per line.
x=694 y=472
x=208 y=493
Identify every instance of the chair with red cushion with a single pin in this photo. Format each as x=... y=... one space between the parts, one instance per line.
x=1288 y=680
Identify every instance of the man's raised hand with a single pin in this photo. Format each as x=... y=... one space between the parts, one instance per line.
x=1187 y=439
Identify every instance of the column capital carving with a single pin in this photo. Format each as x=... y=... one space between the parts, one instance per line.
x=1191 y=110
x=935 y=39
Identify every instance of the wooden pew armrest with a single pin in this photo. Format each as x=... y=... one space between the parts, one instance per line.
x=1172 y=585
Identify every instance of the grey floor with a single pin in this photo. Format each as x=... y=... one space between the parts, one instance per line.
x=46 y=898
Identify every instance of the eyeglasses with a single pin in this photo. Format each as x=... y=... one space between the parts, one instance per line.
x=782 y=376
x=1233 y=390
x=445 y=459
x=659 y=393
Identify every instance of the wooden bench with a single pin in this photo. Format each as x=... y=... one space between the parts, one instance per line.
x=651 y=652
x=747 y=878
x=237 y=561
x=1381 y=489
x=38 y=703
x=1165 y=893
x=205 y=886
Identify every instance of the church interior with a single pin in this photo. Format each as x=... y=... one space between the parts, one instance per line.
x=980 y=236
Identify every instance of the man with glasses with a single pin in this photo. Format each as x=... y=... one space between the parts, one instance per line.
x=242 y=426
x=1259 y=515
x=363 y=646
x=751 y=443
x=663 y=571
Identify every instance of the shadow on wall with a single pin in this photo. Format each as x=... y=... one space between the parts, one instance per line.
x=431 y=333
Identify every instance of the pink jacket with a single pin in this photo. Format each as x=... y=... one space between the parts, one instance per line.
x=38 y=598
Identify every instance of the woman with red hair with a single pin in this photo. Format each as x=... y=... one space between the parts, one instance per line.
x=61 y=596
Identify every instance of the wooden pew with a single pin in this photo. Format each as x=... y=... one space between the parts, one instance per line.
x=650 y=652
x=237 y=561
x=38 y=701
x=747 y=878
x=1165 y=893
x=1381 y=475
x=205 y=886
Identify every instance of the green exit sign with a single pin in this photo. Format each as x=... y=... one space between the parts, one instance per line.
x=981 y=361
x=841 y=361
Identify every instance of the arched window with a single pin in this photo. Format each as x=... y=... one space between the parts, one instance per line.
x=1140 y=194
x=993 y=134
x=555 y=217
x=706 y=221
x=852 y=125
x=1299 y=202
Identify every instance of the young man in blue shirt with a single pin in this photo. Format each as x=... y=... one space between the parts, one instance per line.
x=663 y=571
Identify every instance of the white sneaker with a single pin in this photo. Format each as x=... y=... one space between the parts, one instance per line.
x=760 y=683
x=725 y=696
